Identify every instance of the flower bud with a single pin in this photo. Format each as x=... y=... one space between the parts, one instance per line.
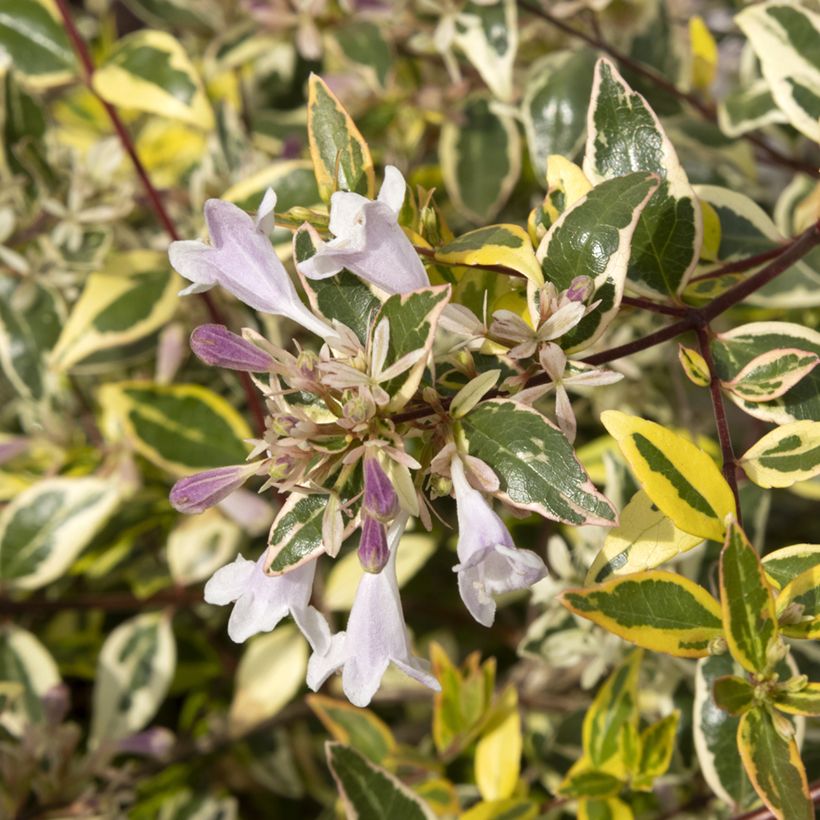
x=196 y=493
x=373 y=549
x=579 y=289
x=380 y=499
x=216 y=345
x=56 y=702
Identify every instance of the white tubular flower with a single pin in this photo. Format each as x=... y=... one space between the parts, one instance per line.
x=369 y=241
x=242 y=260
x=376 y=636
x=262 y=601
x=490 y=563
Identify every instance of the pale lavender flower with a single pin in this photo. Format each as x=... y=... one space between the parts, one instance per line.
x=197 y=493
x=263 y=600
x=376 y=636
x=242 y=260
x=380 y=498
x=369 y=240
x=373 y=550
x=490 y=564
x=216 y=345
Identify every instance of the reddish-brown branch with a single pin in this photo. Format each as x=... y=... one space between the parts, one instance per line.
x=771 y=155
x=741 y=265
x=84 y=55
x=721 y=423
x=766 y=814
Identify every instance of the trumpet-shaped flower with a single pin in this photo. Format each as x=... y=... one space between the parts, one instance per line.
x=490 y=563
x=261 y=601
x=242 y=260
x=376 y=636
x=369 y=241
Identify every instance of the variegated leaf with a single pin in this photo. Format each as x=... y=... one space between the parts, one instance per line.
x=785 y=455
x=771 y=374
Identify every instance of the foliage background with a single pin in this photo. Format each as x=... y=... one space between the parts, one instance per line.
x=158 y=714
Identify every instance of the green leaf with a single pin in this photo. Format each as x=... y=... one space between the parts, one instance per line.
x=413 y=319
x=733 y=694
x=657 y=610
x=682 y=481
x=784 y=565
x=774 y=766
x=32 y=35
x=592 y=238
x=644 y=539
x=478 y=135
x=747 y=109
x=271 y=672
x=149 y=70
x=296 y=534
x=785 y=38
x=515 y=808
x=27 y=672
x=341 y=158
x=134 y=671
x=368 y=791
x=747 y=603
x=610 y=808
x=358 y=728
x=118 y=309
x=182 y=428
x=657 y=744
x=507 y=245
x=805 y=701
x=590 y=783
x=772 y=374
x=715 y=735
x=363 y=44
x=487 y=33
x=802 y=592
x=30 y=320
x=45 y=528
x=785 y=455
x=535 y=464
x=555 y=105
x=625 y=135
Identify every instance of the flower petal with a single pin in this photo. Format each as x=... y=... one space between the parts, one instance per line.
x=361 y=677
x=229 y=582
x=393 y=188
x=419 y=670
x=254 y=613
x=313 y=625
x=347 y=217
x=321 y=667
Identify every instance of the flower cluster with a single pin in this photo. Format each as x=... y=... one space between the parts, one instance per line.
x=331 y=431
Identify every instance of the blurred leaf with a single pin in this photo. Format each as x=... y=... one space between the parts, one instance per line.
x=32 y=34
x=733 y=694
x=27 y=672
x=182 y=428
x=657 y=742
x=504 y=434
x=657 y=610
x=805 y=701
x=514 y=808
x=682 y=481
x=199 y=545
x=363 y=44
x=479 y=135
x=441 y=796
x=341 y=158
x=747 y=603
x=704 y=54
x=271 y=672
x=46 y=527
x=357 y=728
x=368 y=791
x=748 y=108
x=150 y=71
x=611 y=808
x=134 y=671
x=498 y=752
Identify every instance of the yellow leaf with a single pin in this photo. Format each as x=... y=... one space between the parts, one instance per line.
x=704 y=53
x=566 y=178
x=711 y=232
x=785 y=455
x=498 y=754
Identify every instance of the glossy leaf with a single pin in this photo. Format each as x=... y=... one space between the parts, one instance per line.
x=358 y=728
x=785 y=455
x=555 y=105
x=368 y=791
x=747 y=603
x=644 y=539
x=182 y=428
x=592 y=238
x=772 y=374
x=511 y=439
x=296 y=535
x=774 y=766
x=134 y=671
x=45 y=528
x=682 y=481
x=479 y=134
x=149 y=70
x=507 y=245
x=657 y=610
x=624 y=135
x=341 y=157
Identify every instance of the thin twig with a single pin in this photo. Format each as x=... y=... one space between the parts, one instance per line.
x=719 y=409
x=706 y=111
x=81 y=49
